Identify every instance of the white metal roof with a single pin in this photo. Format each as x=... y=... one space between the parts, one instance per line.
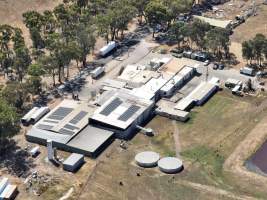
x=149 y=90
x=233 y=81
x=136 y=75
x=104 y=48
x=166 y=106
x=185 y=71
x=201 y=90
x=118 y=106
x=30 y=113
x=73 y=159
x=113 y=83
x=184 y=103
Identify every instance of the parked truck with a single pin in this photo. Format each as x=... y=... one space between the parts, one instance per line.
x=247 y=71
x=97 y=72
x=108 y=48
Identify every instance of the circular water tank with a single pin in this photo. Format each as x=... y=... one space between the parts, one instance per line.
x=147 y=159
x=170 y=165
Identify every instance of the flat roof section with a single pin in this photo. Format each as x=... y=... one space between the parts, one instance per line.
x=149 y=90
x=73 y=159
x=166 y=109
x=41 y=136
x=184 y=103
x=172 y=67
x=203 y=89
x=90 y=139
x=113 y=83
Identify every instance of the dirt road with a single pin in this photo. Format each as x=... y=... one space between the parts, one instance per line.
x=176 y=139
x=214 y=190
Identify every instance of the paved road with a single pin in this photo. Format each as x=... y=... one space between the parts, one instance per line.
x=112 y=68
x=223 y=75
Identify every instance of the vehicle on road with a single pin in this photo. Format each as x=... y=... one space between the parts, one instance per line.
x=261 y=74
x=215 y=66
x=108 y=48
x=247 y=71
x=206 y=63
x=221 y=66
x=218 y=66
x=97 y=72
x=231 y=83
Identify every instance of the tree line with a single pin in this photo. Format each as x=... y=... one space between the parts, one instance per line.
x=255 y=50
x=202 y=36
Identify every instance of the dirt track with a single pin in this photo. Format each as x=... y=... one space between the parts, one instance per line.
x=214 y=190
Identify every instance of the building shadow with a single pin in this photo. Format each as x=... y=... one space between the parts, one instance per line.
x=14 y=159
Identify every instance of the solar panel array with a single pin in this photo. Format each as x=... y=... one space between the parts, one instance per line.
x=44 y=127
x=60 y=113
x=66 y=131
x=78 y=117
x=111 y=107
x=129 y=113
x=50 y=121
x=68 y=126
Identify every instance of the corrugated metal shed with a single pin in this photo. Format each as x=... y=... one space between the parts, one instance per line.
x=184 y=103
x=9 y=193
x=202 y=92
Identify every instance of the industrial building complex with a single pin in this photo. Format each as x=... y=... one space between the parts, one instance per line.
x=123 y=107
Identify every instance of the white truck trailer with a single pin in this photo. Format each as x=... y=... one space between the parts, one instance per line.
x=25 y=120
x=97 y=72
x=39 y=114
x=108 y=48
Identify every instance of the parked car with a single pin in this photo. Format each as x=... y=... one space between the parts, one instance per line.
x=177 y=55
x=218 y=66
x=221 y=66
x=206 y=63
x=247 y=71
x=177 y=50
x=215 y=66
x=261 y=73
x=187 y=54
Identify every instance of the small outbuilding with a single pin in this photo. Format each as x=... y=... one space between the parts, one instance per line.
x=73 y=162
x=9 y=193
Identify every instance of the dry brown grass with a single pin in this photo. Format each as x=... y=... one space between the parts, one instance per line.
x=11 y=11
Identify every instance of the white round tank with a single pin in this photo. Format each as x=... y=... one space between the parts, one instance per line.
x=147 y=159
x=170 y=165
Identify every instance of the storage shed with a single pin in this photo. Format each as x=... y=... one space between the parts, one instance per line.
x=3 y=184
x=25 y=120
x=203 y=92
x=38 y=114
x=73 y=162
x=9 y=193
